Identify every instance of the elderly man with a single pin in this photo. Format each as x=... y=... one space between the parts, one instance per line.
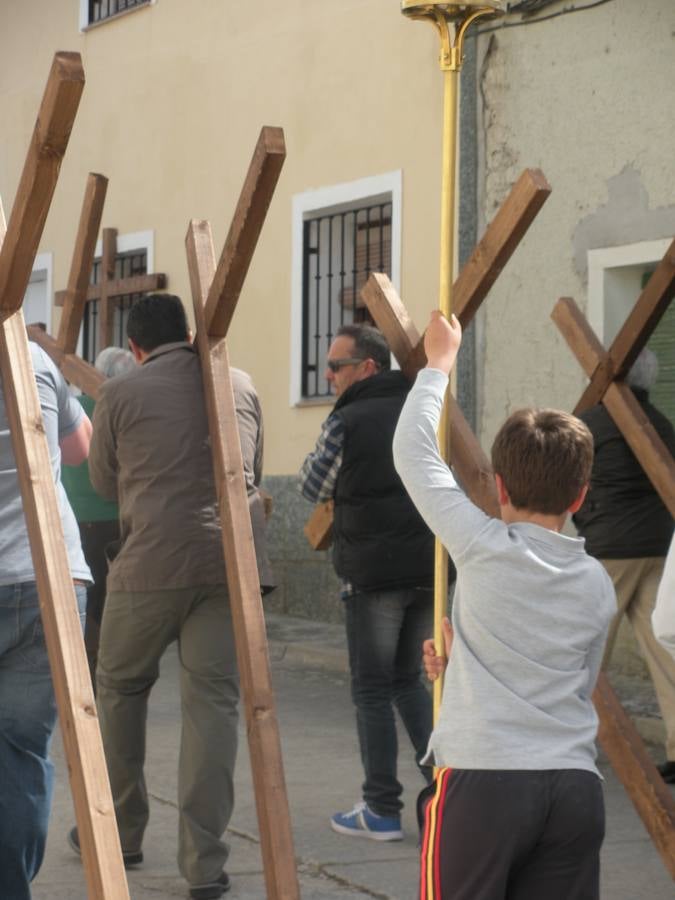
x=383 y=554
x=151 y=453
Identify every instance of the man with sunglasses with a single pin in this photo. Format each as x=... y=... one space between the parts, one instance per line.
x=383 y=553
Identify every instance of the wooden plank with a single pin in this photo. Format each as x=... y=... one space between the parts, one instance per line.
x=391 y=317
x=247 y=222
x=47 y=342
x=244 y=587
x=495 y=248
x=653 y=455
x=319 y=527
x=635 y=332
x=83 y=260
x=106 y=305
x=38 y=180
x=651 y=797
x=120 y=287
x=101 y=852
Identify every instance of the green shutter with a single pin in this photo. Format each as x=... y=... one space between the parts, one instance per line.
x=662 y=343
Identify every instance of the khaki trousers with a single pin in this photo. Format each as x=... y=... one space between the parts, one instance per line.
x=135 y=631
x=636 y=582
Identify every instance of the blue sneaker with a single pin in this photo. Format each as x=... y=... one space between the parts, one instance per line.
x=363 y=822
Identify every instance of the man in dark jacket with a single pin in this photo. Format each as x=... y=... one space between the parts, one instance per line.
x=383 y=553
x=628 y=528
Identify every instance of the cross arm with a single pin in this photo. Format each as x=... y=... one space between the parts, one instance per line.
x=495 y=248
x=635 y=332
x=83 y=259
x=119 y=287
x=640 y=434
x=242 y=238
x=75 y=369
x=38 y=180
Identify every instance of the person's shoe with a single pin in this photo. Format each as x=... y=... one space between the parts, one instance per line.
x=212 y=890
x=667 y=771
x=134 y=858
x=363 y=822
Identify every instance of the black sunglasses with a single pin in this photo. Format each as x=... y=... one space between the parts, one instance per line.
x=336 y=364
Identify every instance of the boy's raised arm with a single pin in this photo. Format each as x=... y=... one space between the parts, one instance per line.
x=441 y=502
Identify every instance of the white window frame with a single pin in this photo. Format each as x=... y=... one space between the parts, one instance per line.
x=86 y=25
x=134 y=241
x=44 y=262
x=602 y=261
x=328 y=200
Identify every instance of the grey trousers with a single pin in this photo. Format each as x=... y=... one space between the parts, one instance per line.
x=135 y=631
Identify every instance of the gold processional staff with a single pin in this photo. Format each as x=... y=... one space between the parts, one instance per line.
x=452 y=21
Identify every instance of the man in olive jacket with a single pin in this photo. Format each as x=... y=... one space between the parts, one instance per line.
x=152 y=454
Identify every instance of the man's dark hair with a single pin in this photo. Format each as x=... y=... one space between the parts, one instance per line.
x=544 y=457
x=157 y=319
x=369 y=343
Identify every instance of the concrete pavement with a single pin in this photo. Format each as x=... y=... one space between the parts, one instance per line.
x=323 y=775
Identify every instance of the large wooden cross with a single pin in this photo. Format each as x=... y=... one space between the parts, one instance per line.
x=470 y=289
x=215 y=292
x=102 y=856
x=108 y=290
x=606 y=369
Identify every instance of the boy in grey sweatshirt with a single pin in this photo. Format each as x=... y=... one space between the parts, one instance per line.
x=516 y=811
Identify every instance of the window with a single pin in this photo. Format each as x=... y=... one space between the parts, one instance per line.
x=336 y=247
x=127 y=265
x=94 y=11
x=616 y=278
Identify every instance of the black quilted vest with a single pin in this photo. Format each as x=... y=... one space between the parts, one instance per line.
x=380 y=540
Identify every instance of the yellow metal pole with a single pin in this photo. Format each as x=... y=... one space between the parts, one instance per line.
x=447 y=257
x=443 y=15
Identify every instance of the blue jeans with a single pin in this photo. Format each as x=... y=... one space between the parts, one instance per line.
x=27 y=719
x=385 y=631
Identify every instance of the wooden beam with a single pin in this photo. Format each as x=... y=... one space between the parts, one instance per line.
x=106 y=306
x=319 y=527
x=83 y=260
x=101 y=852
x=635 y=332
x=244 y=587
x=495 y=248
x=470 y=464
x=652 y=453
x=119 y=287
x=624 y=748
x=38 y=180
x=74 y=369
x=247 y=222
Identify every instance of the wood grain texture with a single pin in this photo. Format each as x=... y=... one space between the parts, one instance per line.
x=319 y=527
x=242 y=238
x=38 y=180
x=244 y=587
x=74 y=369
x=82 y=262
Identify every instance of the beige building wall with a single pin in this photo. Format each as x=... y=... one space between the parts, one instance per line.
x=176 y=94
x=587 y=97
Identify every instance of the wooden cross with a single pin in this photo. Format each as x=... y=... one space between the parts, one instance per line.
x=101 y=853
x=215 y=292
x=606 y=369
x=108 y=290
x=471 y=287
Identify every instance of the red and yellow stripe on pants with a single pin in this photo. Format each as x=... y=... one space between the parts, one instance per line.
x=430 y=863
